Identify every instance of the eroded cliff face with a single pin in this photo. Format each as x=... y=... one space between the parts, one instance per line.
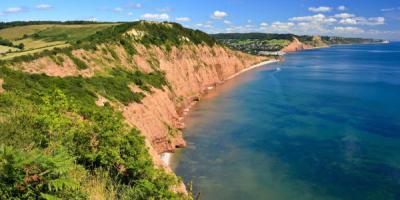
x=296 y=45
x=189 y=70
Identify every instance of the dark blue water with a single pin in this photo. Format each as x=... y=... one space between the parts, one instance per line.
x=326 y=126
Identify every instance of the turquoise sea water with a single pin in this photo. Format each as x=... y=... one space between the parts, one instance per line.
x=325 y=126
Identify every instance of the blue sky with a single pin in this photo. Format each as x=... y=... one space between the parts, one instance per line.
x=366 y=18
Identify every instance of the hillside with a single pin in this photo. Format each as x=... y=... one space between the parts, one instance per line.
x=33 y=37
x=256 y=43
x=89 y=117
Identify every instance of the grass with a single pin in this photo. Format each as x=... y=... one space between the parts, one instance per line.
x=33 y=51
x=69 y=33
x=18 y=32
x=31 y=44
x=277 y=42
x=4 y=49
x=37 y=38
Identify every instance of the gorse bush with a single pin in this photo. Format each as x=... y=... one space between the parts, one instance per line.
x=54 y=140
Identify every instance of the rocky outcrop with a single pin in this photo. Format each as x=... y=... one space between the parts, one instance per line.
x=296 y=45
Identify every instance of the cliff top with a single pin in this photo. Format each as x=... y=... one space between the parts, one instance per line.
x=31 y=39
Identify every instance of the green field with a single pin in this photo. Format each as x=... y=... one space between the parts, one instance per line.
x=4 y=49
x=18 y=32
x=37 y=38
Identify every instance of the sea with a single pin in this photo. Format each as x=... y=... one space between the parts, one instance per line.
x=323 y=124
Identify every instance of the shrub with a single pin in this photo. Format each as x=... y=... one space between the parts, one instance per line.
x=78 y=62
x=37 y=175
x=63 y=141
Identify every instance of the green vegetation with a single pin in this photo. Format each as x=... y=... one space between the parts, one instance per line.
x=78 y=62
x=36 y=36
x=57 y=144
x=7 y=49
x=16 y=33
x=68 y=33
x=5 y=42
x=160 y=34
x=4 y=25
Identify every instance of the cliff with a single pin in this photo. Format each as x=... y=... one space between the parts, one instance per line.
x=189 y=70
x=164 y=67
x=296 y=45
x=269 y=43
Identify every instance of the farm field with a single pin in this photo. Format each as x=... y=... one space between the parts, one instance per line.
x=37 y=38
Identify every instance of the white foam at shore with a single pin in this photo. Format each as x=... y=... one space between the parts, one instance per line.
x=166 y=158
x=252 y=67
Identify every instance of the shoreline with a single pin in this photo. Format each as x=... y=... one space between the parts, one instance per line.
x=251 y=67
x=166 y=157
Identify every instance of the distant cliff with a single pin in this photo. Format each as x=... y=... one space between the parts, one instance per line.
x=254 y=43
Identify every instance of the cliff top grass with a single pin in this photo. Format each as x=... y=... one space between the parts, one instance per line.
x=39 y=37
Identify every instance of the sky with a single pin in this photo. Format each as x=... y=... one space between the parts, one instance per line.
x=355 y=18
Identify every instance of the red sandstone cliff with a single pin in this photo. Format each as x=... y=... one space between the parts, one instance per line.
x=189 y=69
x=296 y=45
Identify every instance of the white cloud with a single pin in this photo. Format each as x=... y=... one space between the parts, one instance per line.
x=389 y=9
x=183 y=19
x=348 y=21
x=318 y=18
x=227 y=22
x=161 y=16
x=135 y=5
x=130 y=13
x=347 y=18
x=249 y=21
x=263 y=24
x=372 y=21
x=43 y=6
x=14 y=10
x=219 y=14
x=342 y=8
x=376 y=20
x=200 y=25
x=282 y=25
x=166 y=9
x=348 y=30
x=117 y=9
x=344 y=15
x=308 y=18
x=320 y=9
